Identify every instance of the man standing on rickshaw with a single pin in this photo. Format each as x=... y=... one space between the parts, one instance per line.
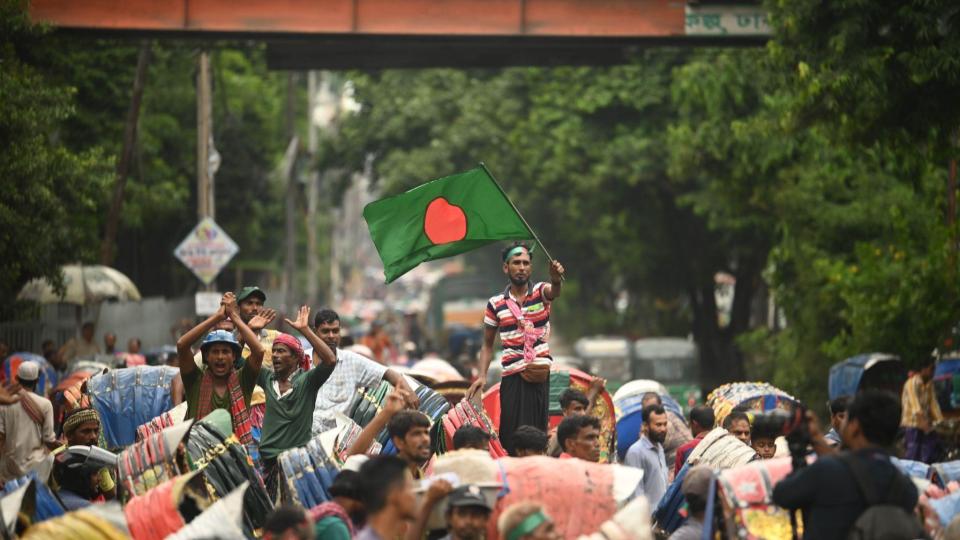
x=521 y=314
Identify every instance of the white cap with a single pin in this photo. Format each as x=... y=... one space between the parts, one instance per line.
x=28 y=371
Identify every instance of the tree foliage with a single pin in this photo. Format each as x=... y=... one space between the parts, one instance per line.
x=48 y=212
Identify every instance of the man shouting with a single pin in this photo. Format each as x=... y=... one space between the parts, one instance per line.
x=521 y=314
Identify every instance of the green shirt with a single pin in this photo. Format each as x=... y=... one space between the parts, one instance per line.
x=191 y=389
x=287 y=420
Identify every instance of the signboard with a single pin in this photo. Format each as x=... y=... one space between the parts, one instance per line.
x=726 y=21
x=206 y=250
x=207 y=303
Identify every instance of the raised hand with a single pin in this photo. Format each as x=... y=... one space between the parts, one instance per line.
x=262 y=319
x=303 y=319
x=396 y=401
x=229 y=303
x=9 y=394
x=556 y=271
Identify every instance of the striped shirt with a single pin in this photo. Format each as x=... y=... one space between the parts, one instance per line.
x=536 y=309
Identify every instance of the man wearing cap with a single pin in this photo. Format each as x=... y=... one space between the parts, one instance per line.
x=467 y=514
x=694 y=488
x=521 y=314
x=219 y=385
x=290 y=394
x=250 y=302
x=26 y=428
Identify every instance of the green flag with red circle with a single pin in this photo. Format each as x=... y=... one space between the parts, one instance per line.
x=442 y=218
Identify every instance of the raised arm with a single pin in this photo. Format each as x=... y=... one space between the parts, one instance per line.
x=552 y=291
x=486 y=355
x=321 y=352
x=394 y=403
x=184 y=352
x=399 y=381
x=437 y=491
x=255 y=360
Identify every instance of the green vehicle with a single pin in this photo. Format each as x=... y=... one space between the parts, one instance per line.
x=673 y=362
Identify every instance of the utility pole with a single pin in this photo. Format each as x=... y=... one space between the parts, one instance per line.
x=126 y=156
x=205 y=205
x=313 y=189
x=205 y=191
x=289 y=259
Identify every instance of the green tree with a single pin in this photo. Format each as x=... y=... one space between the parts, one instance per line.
x=48 y=213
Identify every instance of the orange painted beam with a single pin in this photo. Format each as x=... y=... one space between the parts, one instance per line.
x=535 y=18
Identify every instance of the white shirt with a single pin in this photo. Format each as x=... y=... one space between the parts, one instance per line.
x=23 y=448
x=351 y=372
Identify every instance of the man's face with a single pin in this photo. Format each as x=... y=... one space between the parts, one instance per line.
x=927 y=373
x=86 y=434
x=518 y=268
x=849 y=430
x=87 y=332
x=250 y=306
x=110 y=340
x=586 y=445
x=402 y=499
x=415 y=445
x=575 y=408
x=837 y=420
x=220 y=359
x=741 y=430
x=657 y=427
x=329 y=332
x=764 y=447
x=284 y=361
x=468 y=522
x=225 y=324
x=133 y=346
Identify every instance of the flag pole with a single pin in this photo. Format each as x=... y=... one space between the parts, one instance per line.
x=515 y=209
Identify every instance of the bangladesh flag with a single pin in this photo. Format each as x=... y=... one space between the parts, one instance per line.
x=442 y=218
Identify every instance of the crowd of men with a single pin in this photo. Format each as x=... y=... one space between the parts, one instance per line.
x=231 y=355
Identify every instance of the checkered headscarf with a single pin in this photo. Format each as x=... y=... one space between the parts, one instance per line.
x=78 y=417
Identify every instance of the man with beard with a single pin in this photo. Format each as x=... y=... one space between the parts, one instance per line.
x=521 y=314
x=410 y=432
x=219 y=385
x=388 y=497
x=647 y=454
x=352 y=371
x=82 y=428
x=250 y=303
x=26 y=427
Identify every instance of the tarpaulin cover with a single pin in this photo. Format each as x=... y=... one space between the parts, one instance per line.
x=129 y=397
x=757 y=396
x=944 y=473
x=913 y=469
x=45 y=504
x=552 y=482
x=747 y=493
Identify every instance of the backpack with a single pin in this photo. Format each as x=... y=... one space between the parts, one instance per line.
x=882 y=520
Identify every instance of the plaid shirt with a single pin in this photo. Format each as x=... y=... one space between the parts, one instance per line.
x=351 y=372
x=919 y=401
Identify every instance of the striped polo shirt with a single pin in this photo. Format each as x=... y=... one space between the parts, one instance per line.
x=536 y=309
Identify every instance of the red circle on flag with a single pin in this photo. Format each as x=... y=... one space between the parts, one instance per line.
x=443 y=222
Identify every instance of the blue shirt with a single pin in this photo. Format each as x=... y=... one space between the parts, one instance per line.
x=649 y=457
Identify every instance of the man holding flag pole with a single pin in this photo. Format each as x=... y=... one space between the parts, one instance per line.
x=459 y=213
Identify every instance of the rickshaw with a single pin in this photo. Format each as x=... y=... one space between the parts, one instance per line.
x=874 y=370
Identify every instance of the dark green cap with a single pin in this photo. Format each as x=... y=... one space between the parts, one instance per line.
x=246 y=292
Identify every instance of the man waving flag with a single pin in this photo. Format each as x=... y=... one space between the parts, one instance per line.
x=442 y=218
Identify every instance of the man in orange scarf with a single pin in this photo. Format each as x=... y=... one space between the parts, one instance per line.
x=218 y=385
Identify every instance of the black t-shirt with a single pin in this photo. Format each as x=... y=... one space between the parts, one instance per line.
x=830 y=498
